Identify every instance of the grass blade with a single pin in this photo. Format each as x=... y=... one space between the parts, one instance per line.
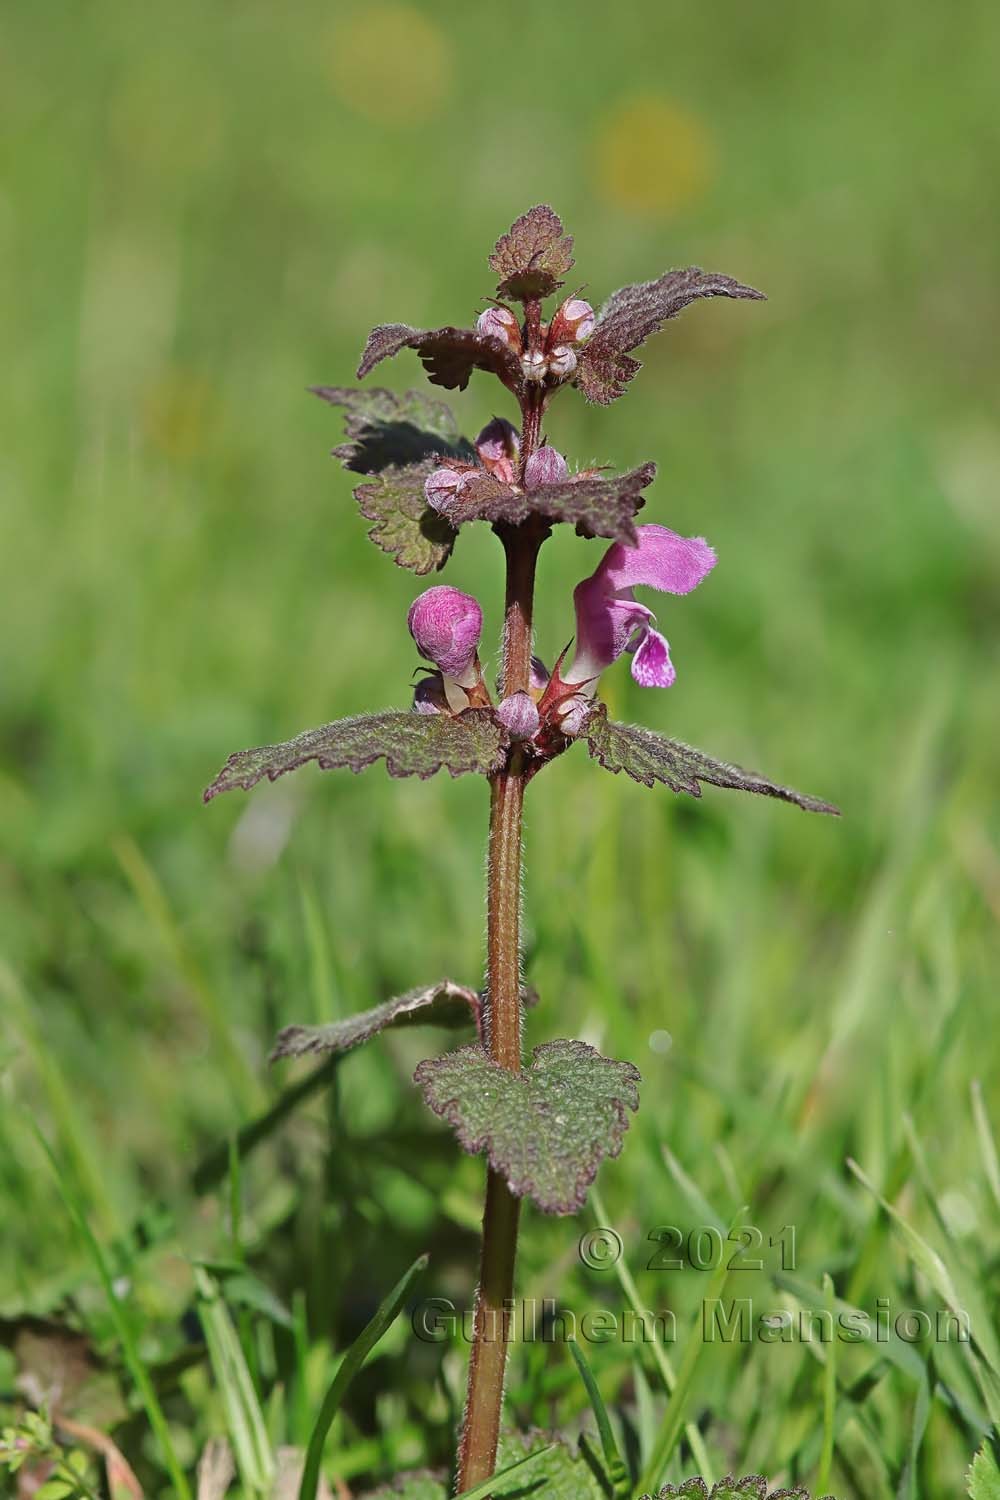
x=987 y=1142
x=697 y=1202
x=829 y=1395
x=617 y=1472
x=122 y=1323
x=349 y=1367
x=921 y=1411
x=673 y=1417
x=244 y=1417
x=662 y=1359
x=153 y=902
x=929 y=1262
x=214 y=1166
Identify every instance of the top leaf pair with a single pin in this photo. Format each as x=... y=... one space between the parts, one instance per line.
x=594 y=354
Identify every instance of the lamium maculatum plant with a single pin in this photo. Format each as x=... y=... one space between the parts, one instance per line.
x=544 y=1127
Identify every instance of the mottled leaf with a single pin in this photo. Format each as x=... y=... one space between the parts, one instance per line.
x=441 y=1004
x=556 y=1472
x=533 y=255
x=630 y=316
x=59 y=1368
x=560 y=1473
x=649 y=757
x=449 y=355
x=598 y=506
x=546 y=1129
x=483 y=497
x=406 y=527
x=420 y=1485
x=412 y=744
x=754 y=1487
x=388 y=429
x=983 y=1478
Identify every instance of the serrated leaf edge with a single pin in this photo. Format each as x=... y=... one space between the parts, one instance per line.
x=359 y=764
x=450 y=1111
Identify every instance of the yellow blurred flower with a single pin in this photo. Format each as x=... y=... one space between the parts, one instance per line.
x=178 y=412
x=391 y=63
x=653 y=156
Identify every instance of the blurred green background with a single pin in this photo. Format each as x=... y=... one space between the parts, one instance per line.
x=203 y=210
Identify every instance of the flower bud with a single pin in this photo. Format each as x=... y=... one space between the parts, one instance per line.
x=562 y=362
x=534 y=365
x=545 y=466
x=498 y=447
x=539 y=679
x=574 y=321
x=441 y=486
x=429 y=695
x=500 y=323
x=574 y=713
x=446 y=625
x=519 y=715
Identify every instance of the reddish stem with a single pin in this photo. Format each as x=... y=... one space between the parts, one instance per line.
x=502 y=1031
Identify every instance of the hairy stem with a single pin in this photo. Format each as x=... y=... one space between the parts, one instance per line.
x=532 y=402
x=484 y=1401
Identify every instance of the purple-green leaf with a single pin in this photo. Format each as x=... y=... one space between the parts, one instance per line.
x=546 y=1129
x=420 y=1484
x=414 y=534
x=441 y=1004
x=533 y=255
x=449 y=354
x=649 y=757
x=632 y=315
x=528 y=1463
x=597 y=506
x=754 y=1487
x=392 y=429
x=412 y=745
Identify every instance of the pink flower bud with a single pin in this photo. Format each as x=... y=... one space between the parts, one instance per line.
x=539 y=679
x=498 y=439
x=441 y=486
x=446 y=625
x=573 y=322
x=545 y=466
x=500 y=323
x=534 y=365
x=562 y=362
x=429 y=695
x=498 y=447
x=519 y=715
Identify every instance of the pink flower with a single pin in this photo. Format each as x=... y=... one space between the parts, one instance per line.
x=545 y=466
x=610 y=620
x=446 y=625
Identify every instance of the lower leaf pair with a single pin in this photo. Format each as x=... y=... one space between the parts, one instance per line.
x=546 y=1129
